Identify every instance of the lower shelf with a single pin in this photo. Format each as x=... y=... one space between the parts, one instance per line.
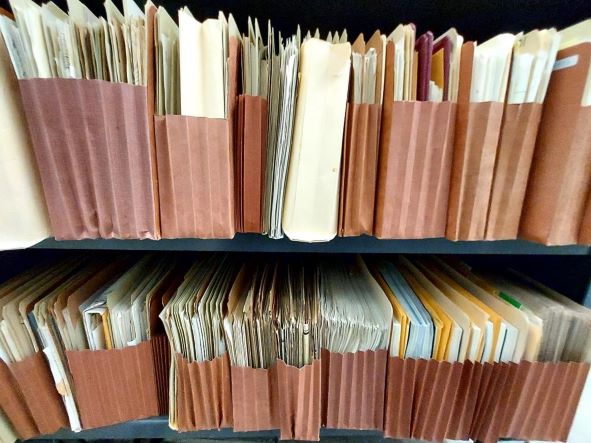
x=157 y=428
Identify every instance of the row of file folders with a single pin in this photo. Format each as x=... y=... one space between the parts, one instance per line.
x=422 y=347
x=142 y=128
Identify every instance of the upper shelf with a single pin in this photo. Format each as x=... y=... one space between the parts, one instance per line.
x=364 y=244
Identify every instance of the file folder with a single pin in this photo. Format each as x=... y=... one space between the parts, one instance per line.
x=93 y=145
x=561 y=172
x=414 y=166
x=196 y=168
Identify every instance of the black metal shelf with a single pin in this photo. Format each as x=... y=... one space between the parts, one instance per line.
x=157 y=428
x=363 y=244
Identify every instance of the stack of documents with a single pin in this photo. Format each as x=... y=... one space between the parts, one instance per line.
x=253 y=336
x=282 y=103
x=82 y=304
x=400 y=135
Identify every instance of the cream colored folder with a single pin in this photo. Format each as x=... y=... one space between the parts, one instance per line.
x=312 y=195
x=7 y=434
x=23 y=214
x=202 y=66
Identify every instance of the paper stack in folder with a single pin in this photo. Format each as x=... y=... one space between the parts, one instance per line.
x=533 y=58
x=484 y=76
x=312 y=191
x=193 y=320
x=282 y=104
x=253 y=119
x=102 y=306
x=362 y=131
x=416 y=135
x=556 y=209
x=23 y=214
x=91 y=71
x=197 y=76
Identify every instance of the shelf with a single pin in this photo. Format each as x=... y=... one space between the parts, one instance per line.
x=364 y=244
x=158 y=428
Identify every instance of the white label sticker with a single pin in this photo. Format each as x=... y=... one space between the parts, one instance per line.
x=567 y=62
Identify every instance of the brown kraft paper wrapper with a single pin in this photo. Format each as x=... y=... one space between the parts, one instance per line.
x=196 y=169
x=353 y=389
x=464 y=403
x=585 y=231
x=250 y=166
x=114 y=386
x=400 y=381
x=530 y=401
x=543 y=400
x=14 y=406
x=359 y=169
x=514 y=156
x=161 y=354
x=254 y=399
x=560 y=176
x=91 y=142
x=299 y=401
x=477 y=133
x=204 y=394
x=414 y=169
x=37 y=386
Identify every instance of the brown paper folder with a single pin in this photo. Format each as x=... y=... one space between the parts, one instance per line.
x=195 y=177
x=114 y=386
x=414 y=169
x=359 y=169
x=400 y=382
x=299 y=401
x=204 y=394
x=464 y=403
x=528 y=401
x=560 y=176
x=514 y=156
x=254 y=399
x=161 y=353
x=549 y=394
x=353 y=389
x=14 y=406
x=585 y=231
x=37 y=386
x=91 y=142
x=478 y=127
x=251 y=162
x=196 y=169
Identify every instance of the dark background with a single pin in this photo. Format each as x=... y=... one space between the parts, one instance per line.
x=476 y=20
